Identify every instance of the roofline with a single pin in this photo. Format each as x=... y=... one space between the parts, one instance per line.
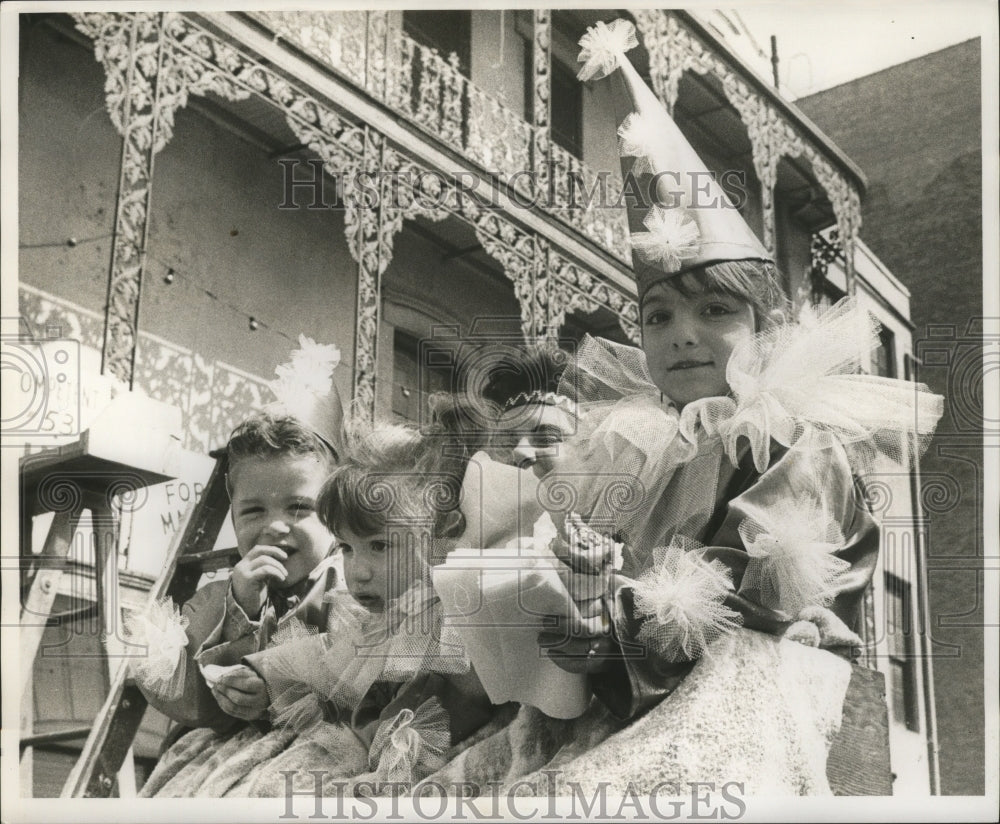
x=790 y=109
x=978 y=39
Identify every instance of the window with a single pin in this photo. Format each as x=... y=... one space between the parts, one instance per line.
x=901 y=637
x=411 y=384
x=884 y=358
x=826 y=295
x=446 y=31
x=566 y=116
x=567 y=110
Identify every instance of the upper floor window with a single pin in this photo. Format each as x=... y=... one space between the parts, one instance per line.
x=565 y=96
x=446 y=31
x=567 y=110
x=901 y=637
x=884 y=358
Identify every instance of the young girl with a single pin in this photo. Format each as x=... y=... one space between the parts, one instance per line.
x=760 y=535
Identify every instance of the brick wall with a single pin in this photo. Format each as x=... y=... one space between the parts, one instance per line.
x=915 y=130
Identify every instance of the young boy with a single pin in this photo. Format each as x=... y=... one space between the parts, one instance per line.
x=277 y=466
x=278 y=460
x=767 y=432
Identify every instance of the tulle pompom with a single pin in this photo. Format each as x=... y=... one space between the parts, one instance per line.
x=792 y=565
x=412 y=745
x=602 y=47
x=673 y=237
x=638 y=137
x=683 y=597
x=161 y=670
x=307 y=376
x=293 y=678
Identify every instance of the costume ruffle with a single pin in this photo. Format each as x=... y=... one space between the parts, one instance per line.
x=801 y=378
x=157 y=639
x=625 y=448
x=808 y=375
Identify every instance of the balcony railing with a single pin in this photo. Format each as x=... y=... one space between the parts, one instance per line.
x=430 y=91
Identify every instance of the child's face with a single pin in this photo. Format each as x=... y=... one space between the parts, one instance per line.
x=688 y=340
x=376 y=570
x=274 y=504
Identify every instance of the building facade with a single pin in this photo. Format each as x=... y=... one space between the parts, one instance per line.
x=916 y=128
x=198 y=190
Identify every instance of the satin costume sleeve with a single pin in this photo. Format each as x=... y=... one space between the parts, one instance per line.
x=813 y=466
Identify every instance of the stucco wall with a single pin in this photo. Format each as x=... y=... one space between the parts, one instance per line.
x=213 y=218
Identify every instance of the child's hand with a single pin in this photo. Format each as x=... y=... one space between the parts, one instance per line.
x=250 y=577
x=584 y=644
x=578 y=651
x=591 y=559
x=587 y=550
x=242 y=693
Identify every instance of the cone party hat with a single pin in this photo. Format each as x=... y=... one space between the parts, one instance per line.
x=682 y=219
x=305 y=390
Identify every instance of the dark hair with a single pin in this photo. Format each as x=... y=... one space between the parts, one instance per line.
x=754 y=281
x=462 y=425
x=264 y=435
x=390 y=474
x=525 y=369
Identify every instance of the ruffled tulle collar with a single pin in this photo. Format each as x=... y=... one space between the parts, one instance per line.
x=798 y=377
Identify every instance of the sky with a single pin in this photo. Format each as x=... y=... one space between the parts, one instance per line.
x=824 y=44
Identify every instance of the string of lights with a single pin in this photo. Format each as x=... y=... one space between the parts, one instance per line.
x=71 y=242
x=171 y=274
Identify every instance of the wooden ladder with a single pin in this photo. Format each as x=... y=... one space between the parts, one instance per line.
x=66 y=481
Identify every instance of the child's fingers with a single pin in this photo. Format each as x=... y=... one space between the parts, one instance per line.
x=584 y=587
x=593 y=626
x=577 y=626
x=588 y=560
x=233 y=701
x=236 y=697
x=224 y=703
x=243 y=680
x=592 y=608
x=576 y=557
x=262 y=569
x=238 y=709
x=266 y=551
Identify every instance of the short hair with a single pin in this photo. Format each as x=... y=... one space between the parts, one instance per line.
x=390 y=473
x=266 y=435
x=755 y=281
